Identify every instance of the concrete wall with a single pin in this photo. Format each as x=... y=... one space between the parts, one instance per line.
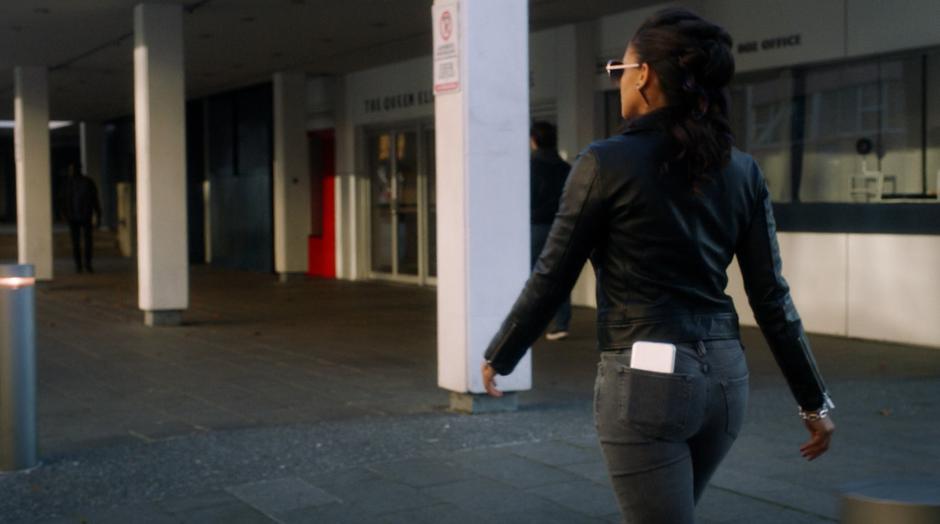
x=880 y=287
x=828 y=30
x=880 y=26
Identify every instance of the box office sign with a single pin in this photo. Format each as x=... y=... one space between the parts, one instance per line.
x=446 y=29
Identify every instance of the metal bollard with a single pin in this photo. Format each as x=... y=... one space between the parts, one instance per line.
x=911 y=501
x=17 y=368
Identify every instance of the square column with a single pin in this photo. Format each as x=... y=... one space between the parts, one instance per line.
x=291 y=175
x=482 y=152
x=33 y=174
x=159 y=119
x=576 y=45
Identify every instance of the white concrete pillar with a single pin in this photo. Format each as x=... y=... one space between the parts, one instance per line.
x=162 y=250
x=576 y=49
x=291 y=175
x=91 y=137
x=33 y=175
x=482 y=146
x=576 y=89
x=346 y=190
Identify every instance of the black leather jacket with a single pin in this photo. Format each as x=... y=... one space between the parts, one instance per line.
x=660 y=252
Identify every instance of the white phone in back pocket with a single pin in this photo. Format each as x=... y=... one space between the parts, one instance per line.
x=653 y=356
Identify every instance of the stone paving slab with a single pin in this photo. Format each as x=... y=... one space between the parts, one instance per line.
x=278 y=496
x=422 y=472
x=515 y=471
x=582 y=496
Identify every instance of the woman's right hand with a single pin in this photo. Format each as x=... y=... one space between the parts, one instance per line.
x=820 y=434
x=489 y=380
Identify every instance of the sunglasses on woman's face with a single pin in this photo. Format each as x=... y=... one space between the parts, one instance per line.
x=615 y=69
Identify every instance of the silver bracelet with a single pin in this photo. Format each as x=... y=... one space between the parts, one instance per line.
x=812 y=416
x=820 y=413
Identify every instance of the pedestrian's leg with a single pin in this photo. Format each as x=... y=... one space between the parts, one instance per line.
x=563 y=315
x=89 y=245
x=75 y=229
x=537 y=238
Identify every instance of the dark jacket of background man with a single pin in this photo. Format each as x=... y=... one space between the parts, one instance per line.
x=81 y=199
x=547 y=173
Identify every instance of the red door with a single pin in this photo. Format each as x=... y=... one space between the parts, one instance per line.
x=322 y=240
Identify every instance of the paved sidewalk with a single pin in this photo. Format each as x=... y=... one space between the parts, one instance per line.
x=316 y=401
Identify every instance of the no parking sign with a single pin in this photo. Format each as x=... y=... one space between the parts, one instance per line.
x=446 y=32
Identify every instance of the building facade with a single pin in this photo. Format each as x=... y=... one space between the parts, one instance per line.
x=357 y=175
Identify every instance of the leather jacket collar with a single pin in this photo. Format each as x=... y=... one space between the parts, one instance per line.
x=654 y=120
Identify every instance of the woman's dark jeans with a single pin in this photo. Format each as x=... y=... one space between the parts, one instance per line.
x=663 y=435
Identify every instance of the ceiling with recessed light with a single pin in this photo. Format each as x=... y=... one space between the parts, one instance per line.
x=87 y=44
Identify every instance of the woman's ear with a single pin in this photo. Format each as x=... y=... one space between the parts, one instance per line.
x=643 y=78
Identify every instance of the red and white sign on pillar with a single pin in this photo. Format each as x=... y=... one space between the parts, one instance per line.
x=446 y=47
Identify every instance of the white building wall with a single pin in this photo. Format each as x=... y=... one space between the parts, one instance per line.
x=881 y=26
x=894 y=288
x=393 y=93
x=614 y=31
x=820 y=26
x=879 y=287
x=828 y=30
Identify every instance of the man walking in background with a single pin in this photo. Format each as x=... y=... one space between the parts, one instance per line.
x=83 y=212
x=547 y=175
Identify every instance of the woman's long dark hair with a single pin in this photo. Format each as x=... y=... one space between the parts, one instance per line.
x=693 y=60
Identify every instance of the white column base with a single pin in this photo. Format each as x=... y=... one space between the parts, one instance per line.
x=477 y=404
x=162 y=318
x=287 y=277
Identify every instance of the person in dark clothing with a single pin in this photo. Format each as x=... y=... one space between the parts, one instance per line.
x=82 y=210
x=661 y=211
x=547 y=175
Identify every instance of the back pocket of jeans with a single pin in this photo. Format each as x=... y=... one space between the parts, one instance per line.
x=735 y=392
x=659 y=405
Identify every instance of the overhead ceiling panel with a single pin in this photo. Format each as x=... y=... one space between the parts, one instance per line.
x=88 y=44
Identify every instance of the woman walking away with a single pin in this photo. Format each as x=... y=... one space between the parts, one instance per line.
x=661 y=210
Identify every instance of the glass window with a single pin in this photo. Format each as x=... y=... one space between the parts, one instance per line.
x=762 y=112
x=932 y=125
x=849 y=132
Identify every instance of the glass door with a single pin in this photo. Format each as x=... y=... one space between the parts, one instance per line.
x=400 y=196
x=382 y=203
x=405 y=167
x=431 y=191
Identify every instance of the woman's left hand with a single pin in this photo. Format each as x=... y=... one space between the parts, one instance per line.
x=489 y=380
